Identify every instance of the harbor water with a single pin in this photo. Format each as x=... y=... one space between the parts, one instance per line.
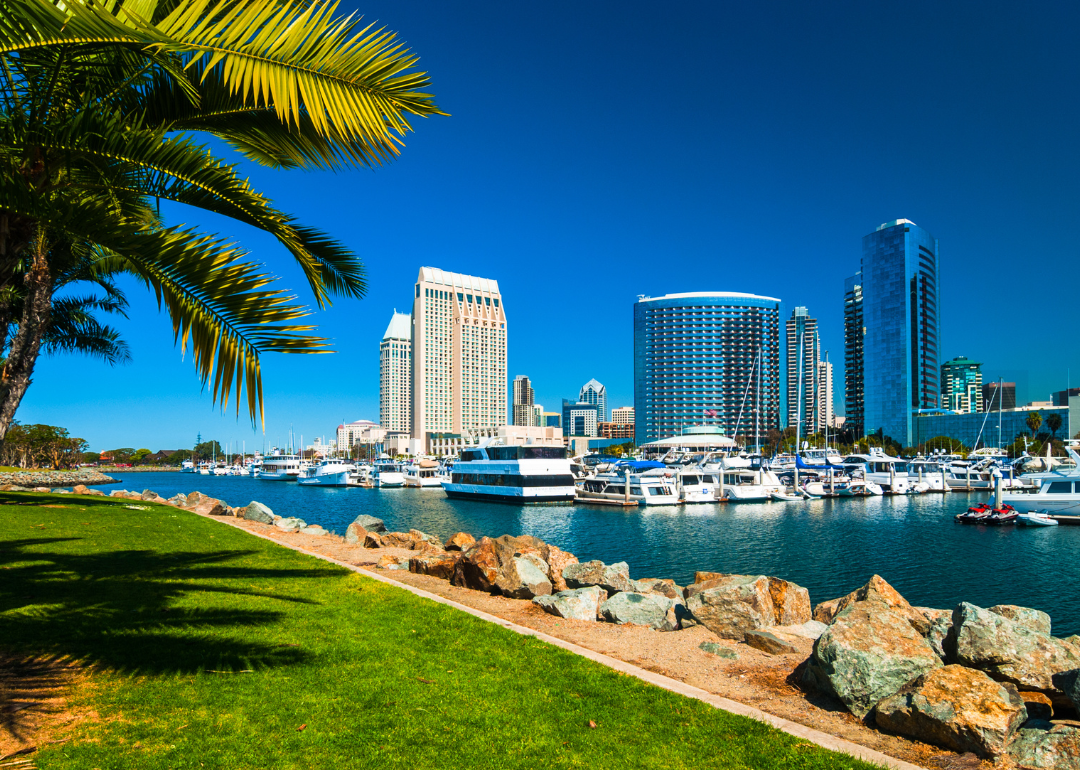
x=829 y=546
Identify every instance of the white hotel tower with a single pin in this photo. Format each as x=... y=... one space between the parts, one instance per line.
x=395 y=374
x=458 y=355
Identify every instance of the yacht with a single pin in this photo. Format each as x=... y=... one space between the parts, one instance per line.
x=187 y=466
x=512 y=474
x=1056 y=493
x=697 y=485
x=745 y=485
x=328 y=472
x=279 y=467
x=889 y=473
x=424 y=475
x=388 y=474
x=652 y=486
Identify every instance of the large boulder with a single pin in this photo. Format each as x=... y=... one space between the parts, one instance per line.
x=422 y=541
x=354 y=533
x=372 y=540
x=876 y=589
x=660 y=587
x=179 y=499
x=791 y=602
x=149 y=494
x=731 y=605
x=256 y=511
x=1046 y=747
x=557 y=561
x=313 y=529
x=80 y=489
x=868 y=653
x=940 y=626
x=478 y=567
x=957 y=708
x=649 y=610
x=397 y=540
x=289 y=524
x=370 y=523
x=613 y=578
x=574 y=604
x=1068 y=682
x=118 y=493
x=522 y=575
x=438 y=564
x=1036 y=620
x=209 y=506
x=462 y=541
x=1008 y=651
x=769 y=643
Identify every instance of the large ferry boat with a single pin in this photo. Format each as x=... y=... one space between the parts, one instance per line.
x=279 y=467
x=512 y=474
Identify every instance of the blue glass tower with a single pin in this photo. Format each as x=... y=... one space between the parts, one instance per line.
x=900 y=306
x=708 y=358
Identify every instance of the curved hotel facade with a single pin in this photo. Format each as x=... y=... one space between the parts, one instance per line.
x=700 y=358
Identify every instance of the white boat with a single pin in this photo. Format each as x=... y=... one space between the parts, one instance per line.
x=388 y=474
x=1056 y=492
x=512 y=474
x=280 y=467
x=697 y=485
x=655 y=486
x=1036 y=520
x=929 y=472
x=857 y=487
x=327 y=473
x=424 y=475
x=889 y=473
x=749 y=486
x=187 y=466
x=787 y=497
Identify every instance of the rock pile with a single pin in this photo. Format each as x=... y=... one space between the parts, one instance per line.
x=34 y=481
x=981 y=680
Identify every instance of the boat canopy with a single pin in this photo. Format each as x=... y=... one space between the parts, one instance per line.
x=641 y=465
x=695 y=437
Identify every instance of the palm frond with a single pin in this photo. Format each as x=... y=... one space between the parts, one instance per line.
x=73 y=328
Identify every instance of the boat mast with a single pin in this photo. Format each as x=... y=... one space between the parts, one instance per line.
x=999 y=411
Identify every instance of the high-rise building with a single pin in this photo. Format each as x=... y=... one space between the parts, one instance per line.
x=706 y=358
x=900 y=304
x=803 y=356
x=458 y=355
x=523 y=401
x=538 y=415
x=854 y=332
x=961 y=386
x=826 y=418
x=592 y=392
x=623 y=415
x=580 y=419
x=993 y=402
x=551 y=420
x=395 y=374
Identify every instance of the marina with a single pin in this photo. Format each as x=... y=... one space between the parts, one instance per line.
x=828 y=545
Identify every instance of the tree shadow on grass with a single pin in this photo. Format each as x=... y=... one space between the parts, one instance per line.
x=120 y=609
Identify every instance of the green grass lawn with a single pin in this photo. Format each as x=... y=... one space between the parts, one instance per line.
x=212 y=648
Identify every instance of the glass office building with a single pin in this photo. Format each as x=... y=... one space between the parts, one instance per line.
x=898 y=307
x=961 y=385
x=802 y=330
x=706 y=358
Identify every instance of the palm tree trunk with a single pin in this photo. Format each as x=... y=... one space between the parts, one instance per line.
x=25 y=347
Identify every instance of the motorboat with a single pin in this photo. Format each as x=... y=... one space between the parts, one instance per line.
x=929 y=475
x=1055 y=492
x=1004 y=515
x=363 y=475
x=388 y=474
x=697 y=485
x=787 y=497
x=858 y=487
x=280 y=467
x=976 y=514
x=187 y=466
x=1035 y=520
x=889 y=473
x=329 y=472
x=518 y=474
x=652 y=486
x=751 y=486
x=424 y=475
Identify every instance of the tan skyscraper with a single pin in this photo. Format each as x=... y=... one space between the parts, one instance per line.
x=395 y=374
x=459 y=355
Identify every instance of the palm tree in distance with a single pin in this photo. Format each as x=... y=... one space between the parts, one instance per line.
x=1034 y=421
x=100 y=107
x=1053 y=422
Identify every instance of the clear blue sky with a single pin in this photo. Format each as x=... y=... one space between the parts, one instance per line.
x=597 y=151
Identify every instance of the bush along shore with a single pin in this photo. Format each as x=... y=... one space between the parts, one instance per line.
x=990 y=681
x=45 y=481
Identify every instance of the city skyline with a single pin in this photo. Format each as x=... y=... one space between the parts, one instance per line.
x=730 y=210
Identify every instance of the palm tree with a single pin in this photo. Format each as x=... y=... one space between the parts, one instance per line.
x=100 y=107
x=1053 y=422
x=1034 y=420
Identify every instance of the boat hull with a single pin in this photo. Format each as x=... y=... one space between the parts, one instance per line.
x=512 y=495
x=277 y=476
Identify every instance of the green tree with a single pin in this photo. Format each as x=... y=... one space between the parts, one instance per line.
x=90 y=457
x=208 y=450
x=122 y=456
x=140 y=455
x=1034 y=421
x=101 y=105
x=1053 y=422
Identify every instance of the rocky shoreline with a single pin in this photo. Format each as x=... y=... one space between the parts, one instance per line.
x=989 y=683
x=44 y=481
